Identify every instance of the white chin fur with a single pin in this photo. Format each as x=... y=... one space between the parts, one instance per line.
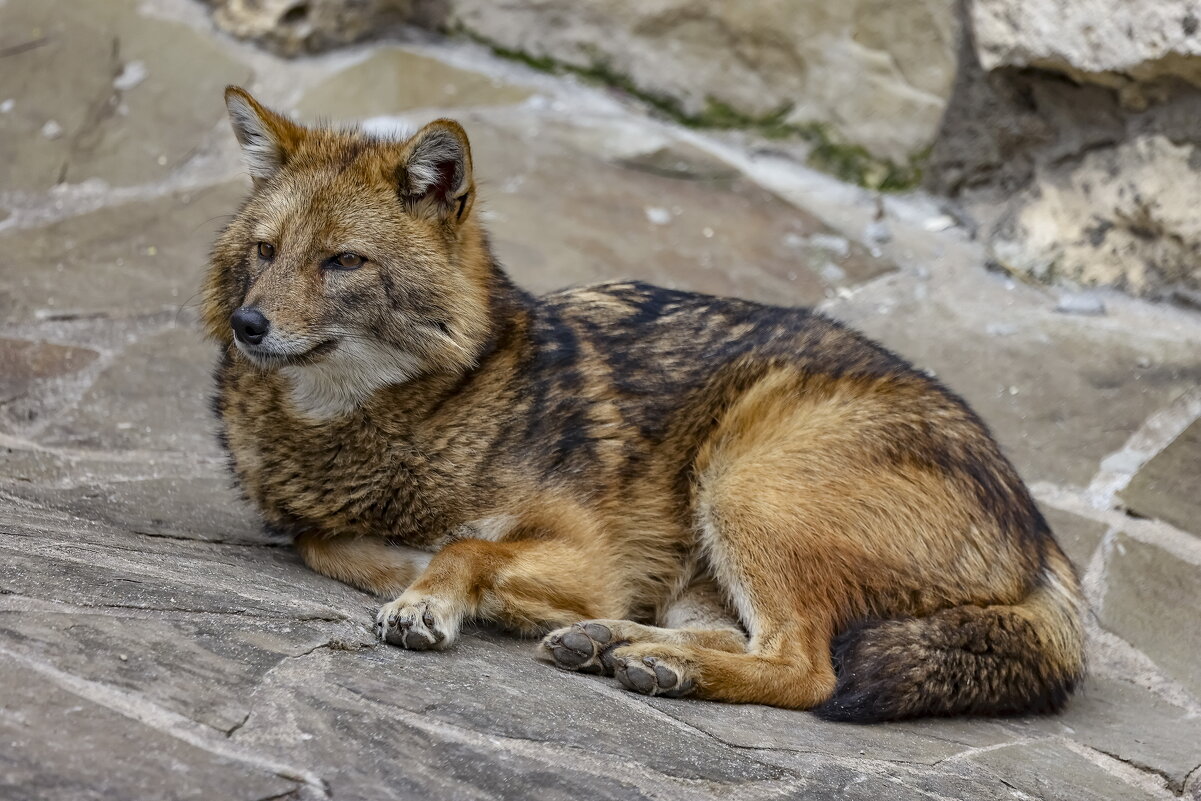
x=347 y=377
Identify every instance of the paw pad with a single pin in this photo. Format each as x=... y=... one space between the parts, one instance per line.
x=414 y=627
x=651 y=676
x=585 y=647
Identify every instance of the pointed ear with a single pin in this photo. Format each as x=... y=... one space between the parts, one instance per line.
x=267 y=138
x=434 y=175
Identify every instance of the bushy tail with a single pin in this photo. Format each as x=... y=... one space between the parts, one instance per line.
x=968 y=660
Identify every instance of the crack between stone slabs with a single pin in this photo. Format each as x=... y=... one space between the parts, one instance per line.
x=67 y=609
x=233 y=543
x=876 y=761
x=172 y=724
x=807 y=752
x=984 y=749
x=579 y=758
x=1141 y=768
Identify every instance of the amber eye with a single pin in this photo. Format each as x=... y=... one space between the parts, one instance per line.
x=347 y=261
x=266 y=251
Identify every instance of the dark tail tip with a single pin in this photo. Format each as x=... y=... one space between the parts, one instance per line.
x=960 y=661
x=861 y=692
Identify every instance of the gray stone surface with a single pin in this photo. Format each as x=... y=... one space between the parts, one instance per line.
x=1042 y=387
x=1166 y=487
x=60 y=743
x=100 y=90
x=1078 y=536
x=393 y=80
x=1152 y=601
x=157 y=644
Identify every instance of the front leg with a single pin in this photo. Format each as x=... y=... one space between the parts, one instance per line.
x=531 y=585
x=369 y=563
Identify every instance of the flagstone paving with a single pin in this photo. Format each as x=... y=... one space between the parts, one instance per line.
x=157 y=645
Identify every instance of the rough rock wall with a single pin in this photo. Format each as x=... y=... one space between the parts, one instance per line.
x=1069 y=128
x=875 y=73
x=1073 y=133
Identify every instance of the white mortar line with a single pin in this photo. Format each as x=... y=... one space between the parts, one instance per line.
x=1156 y=433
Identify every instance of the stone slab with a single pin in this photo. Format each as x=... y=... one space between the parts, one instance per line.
x=153 y=395
x=126 y=259
x=59 y=745
x=24 y=363
x=391 y=724
x=876 y=75
x=202 y=667
x=752 y=726
x=1167 y=485
x=97 y=566
x=564 y=210
x=1059 y=394
x=201 y=508
x=1151 y=601
x=392 y=80
x=1126 y=722
x=102 y=91
x=1078 y=536
x=1051 y=771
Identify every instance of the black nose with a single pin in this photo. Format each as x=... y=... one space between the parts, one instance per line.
x=250 y=326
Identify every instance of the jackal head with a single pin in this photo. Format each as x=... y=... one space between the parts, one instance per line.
x=355 y=263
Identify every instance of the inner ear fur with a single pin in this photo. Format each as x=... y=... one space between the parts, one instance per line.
x=434 y=176
x=267 y=137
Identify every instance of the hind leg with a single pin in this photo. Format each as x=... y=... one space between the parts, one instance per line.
x=787 y=661
x=699 y=617
x=776 y=554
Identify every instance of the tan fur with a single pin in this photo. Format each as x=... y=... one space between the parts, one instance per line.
x=822 y=525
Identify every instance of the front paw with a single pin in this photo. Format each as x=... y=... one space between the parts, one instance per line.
x=418 y=624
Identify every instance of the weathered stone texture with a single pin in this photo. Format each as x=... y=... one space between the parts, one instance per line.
x=1114 y=42
x=291 y=27
x=876 y=73
x=1167 y=486
x=1152 y=601
x=1122 y=216
x=156 y=643
x=98 y=90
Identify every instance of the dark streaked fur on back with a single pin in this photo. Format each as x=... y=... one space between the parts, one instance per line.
x=697 y=495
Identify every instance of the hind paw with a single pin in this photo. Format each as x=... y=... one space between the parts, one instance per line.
x=653 y=671
x=583 y=647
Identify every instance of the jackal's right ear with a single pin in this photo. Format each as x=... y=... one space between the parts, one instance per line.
x=266 y=138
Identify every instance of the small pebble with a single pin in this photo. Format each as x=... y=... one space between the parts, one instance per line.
x=1080 y=303
x=1000 y=329
x=658 y=215
x=837 y=245
x=877 y=232
x=940 y=223
x=131 y=75
x=7 y=106
x=52 y=130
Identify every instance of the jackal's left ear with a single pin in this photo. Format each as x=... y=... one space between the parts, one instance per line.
x=434 y=174
x=267 y=138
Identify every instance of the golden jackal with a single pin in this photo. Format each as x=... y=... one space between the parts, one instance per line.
x=700 y=496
